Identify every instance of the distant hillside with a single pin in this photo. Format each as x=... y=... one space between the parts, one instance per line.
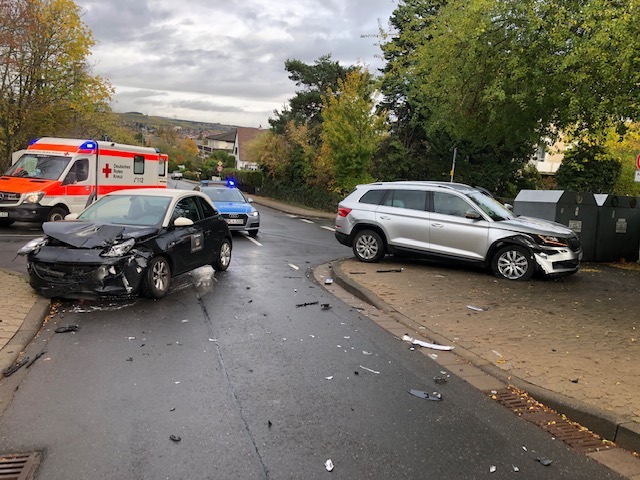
x=136 y=119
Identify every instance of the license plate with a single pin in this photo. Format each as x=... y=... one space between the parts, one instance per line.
x=234 y=221
x=4 y=214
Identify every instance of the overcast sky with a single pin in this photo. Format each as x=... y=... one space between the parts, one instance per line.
x=223 y=61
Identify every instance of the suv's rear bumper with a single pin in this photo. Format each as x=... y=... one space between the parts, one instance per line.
x=343 y=238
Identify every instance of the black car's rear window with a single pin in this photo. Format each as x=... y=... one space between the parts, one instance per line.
x=373 y=197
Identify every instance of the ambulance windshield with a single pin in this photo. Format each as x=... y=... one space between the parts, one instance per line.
x=49 y=167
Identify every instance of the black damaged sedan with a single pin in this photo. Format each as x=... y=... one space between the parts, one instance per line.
x=128 y=242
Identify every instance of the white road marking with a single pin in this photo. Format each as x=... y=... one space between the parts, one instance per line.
x=306 y=221
x=329 y=228
x=295 y=267
x=251 y=239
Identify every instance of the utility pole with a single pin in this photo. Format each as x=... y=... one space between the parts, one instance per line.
x=453 y=164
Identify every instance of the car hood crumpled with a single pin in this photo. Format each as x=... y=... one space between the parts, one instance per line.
x=537 y=225
x=93 y=235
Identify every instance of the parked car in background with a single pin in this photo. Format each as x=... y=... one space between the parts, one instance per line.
x=235 y=208
x=128 y=242
x=453 y=222
x=176 y=175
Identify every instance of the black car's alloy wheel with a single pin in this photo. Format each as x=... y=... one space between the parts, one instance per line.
x=157 y=278
x=222 y=262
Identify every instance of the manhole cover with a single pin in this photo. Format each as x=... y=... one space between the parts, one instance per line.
x=18 y=466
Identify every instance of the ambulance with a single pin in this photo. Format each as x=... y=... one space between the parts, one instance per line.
x=57 y=176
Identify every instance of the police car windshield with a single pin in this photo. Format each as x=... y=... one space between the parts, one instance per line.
x=48 y=167
x=224 y=194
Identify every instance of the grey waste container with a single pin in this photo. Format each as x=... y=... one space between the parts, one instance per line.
x=618 y=228
x=578 y=211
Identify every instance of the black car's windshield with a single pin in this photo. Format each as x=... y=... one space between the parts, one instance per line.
x=49 y=167
x=224 y=194
x=491 y=207
x=145 y=210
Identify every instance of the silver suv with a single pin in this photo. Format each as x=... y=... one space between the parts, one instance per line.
x=452 y=221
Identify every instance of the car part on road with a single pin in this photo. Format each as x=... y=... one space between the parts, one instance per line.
x=11 y=370
x=421 y=343
x=35 y=358
x=67 y=328
x=435 y=396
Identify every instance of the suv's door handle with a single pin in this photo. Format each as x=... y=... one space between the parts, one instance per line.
x=437 y=225
x=385 y=217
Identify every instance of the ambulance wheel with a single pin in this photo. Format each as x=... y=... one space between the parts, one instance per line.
x=157 y=278
x=56 y=214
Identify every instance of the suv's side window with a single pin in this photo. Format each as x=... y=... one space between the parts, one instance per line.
x=373 y=197
x=448 y=204
x=411 y=199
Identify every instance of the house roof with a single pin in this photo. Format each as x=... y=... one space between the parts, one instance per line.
x=225 y=137
x=245 y=136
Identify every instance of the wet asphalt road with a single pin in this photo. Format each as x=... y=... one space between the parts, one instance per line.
x=256 y=386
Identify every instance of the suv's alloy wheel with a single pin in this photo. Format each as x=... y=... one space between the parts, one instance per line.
x=368 y=246
x=513 y=263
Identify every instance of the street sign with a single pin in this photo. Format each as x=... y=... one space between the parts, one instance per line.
x=637 y=179
x=638 y=162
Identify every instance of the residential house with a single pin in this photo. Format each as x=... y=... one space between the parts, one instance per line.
x=222 y=141
x=244 y=136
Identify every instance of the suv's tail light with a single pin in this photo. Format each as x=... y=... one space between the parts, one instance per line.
x=343 y=212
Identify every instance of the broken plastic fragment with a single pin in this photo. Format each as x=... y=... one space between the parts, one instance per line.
x=544 y=461
x=325 y=306
x=364 y=352
x=329 y=377
x=391 y=270
x=435 y=396
x=328 y=465
x=11 y=370
x=434 y=346
x=477 y=309
x=440 y=379
x=328 y=281
x=515 y=469
x=306 y=304
x=369 y=370
x=492 y=469
x=67 y=328
x=175 y=438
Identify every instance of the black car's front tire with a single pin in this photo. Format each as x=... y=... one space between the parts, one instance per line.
x=157 y=278
x=223 y=260
x=368 y=246
x=513 y=262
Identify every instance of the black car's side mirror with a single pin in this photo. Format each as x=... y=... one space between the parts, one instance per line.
x=182 y=222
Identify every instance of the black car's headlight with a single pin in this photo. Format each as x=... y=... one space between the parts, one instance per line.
x=550 y=241
x=33 y=245
x=118 y=250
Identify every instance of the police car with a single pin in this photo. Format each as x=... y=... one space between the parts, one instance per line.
x=234 y=207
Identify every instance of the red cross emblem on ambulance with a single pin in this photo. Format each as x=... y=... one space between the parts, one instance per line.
x=106 y=170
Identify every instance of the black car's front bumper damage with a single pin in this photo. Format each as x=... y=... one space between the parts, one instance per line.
x=60 y=272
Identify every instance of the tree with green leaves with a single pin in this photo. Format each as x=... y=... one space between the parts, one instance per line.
x=586 y=167
x=494 y=77
x=314 y=82
x=351 y=133
x=46 y=87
